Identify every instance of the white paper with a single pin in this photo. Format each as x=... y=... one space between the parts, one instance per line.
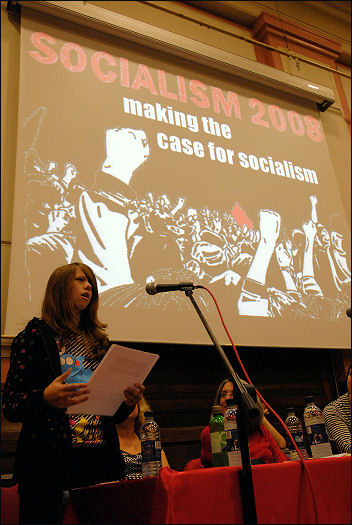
x=121 y=367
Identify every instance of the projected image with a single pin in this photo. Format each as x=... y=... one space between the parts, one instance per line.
x=106 y=227
x=150 y=168
x=299 y=258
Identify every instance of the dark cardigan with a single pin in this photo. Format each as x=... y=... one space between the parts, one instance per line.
x=45 y=445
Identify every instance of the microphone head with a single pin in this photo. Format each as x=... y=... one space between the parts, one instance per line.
x=151 y=288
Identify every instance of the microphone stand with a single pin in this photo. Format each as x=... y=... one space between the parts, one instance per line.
x=246 y=408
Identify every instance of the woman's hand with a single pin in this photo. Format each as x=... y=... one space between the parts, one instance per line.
x=62 y=395
x=133 y=394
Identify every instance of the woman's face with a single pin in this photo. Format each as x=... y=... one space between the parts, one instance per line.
x=81 y=291
x=226 y=393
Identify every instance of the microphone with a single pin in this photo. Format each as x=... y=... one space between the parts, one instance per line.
x=348 y=312
x=153 y=288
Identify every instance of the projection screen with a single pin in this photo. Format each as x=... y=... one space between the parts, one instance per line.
x=149 y=168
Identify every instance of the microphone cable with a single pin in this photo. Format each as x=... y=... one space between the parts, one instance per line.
x=302 y=460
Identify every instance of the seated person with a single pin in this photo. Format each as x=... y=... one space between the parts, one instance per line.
x=263 y=438
x=337 y=416
x=130 y=443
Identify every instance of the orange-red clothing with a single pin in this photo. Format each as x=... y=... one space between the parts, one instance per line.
x=262 y=448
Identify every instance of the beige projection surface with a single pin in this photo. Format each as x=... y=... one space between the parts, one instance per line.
x=149 y=168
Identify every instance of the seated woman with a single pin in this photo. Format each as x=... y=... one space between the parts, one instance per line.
x=264 y=441
x=130 y=443
x=337 y=415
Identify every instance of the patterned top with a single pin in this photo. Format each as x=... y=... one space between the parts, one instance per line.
x=337 y=416
x=45 y=442
x=133 y=465
x=86 y=428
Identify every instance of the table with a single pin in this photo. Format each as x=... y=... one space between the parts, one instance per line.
x=212 y=495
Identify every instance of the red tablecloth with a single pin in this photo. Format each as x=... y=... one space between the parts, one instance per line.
x=282 y=495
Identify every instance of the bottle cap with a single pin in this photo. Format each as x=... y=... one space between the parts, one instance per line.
x=290 y=409
x=231 y=402
x=309 y=399
x=216 y=409
x=148 y=413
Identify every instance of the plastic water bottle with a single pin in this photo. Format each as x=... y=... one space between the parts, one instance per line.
x=151 y=446
x=218 y=437
x=294 y=425
x=314 y=421
x=232 y=437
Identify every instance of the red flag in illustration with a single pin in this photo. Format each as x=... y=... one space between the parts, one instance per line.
x=240 y=216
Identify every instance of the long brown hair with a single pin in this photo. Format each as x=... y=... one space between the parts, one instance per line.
x=253 y=424
x=58 y=308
